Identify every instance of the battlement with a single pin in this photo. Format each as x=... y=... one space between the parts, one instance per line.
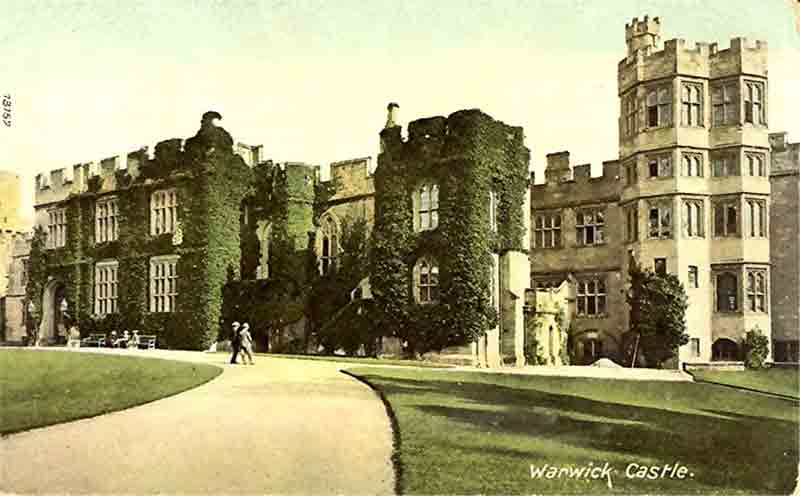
x=251 y=154
x=700 y=59
x=435 y=137
x=642 y=34
x=58 y=184
x=559 y=171
x=785 y=155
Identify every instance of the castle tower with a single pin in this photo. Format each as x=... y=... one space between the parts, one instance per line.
x=694 y=151
x=10 y=187
x=642 y=35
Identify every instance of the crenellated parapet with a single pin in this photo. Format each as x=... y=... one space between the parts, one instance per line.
x=559 y=173
x=647 y=61
x=439 y=137
x=58 y=184
x=104 y=175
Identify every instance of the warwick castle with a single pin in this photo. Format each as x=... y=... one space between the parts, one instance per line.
x=447 y=235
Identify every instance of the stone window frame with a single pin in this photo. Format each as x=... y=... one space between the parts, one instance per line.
x=631 y=173
x=658 y=106
x=588 y=290
x=329 y=236
x=426 y=287
x=547 y=223
x=694 y=347
x=57 y=227
x=725 y=164
x=756 y=164
x=106 y=285
x=692 y=164
x=661 y=164
x=724 y=227
x=692 y=104
x=754 y=100
x=106 y=219
x=632 y=223
x=756 y=290
x=163 y=211
x=693 y=276
x=733 y=299
x=664 y=229
x=725 y=103
x=694 y=218
x=630 y=112
x=590 y=220
x=757 y=217
x=163 y=283
x=426 y=215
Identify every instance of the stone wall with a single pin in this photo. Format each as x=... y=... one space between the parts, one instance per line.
x=785 y=239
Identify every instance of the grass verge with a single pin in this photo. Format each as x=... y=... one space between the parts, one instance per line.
x=361 y=360
x=471 y=433
x=772 y=380
x=39 y=388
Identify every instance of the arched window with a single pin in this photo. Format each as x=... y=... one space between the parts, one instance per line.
x=329 y=248
x=427 y=202
x=426 y=273
x=727 y=292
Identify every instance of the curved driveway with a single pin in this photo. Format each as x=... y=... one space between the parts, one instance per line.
x=281 y=426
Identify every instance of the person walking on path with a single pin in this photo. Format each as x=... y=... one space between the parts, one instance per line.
x=235 y=342
x=247 y=344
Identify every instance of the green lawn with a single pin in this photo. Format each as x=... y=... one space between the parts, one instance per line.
x=469 y=433
x=773 y=380
x=361 y=360
x=39 y=388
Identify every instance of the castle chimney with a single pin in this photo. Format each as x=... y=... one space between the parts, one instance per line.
x=558 y=169
x=392 y=115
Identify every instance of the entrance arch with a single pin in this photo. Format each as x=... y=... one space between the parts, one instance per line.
x=725 y=350
x=51 y=325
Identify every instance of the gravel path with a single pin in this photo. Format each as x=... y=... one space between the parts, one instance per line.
x=281 y=426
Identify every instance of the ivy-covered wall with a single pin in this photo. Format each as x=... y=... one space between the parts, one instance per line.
x=467 y=154
x=210 y=181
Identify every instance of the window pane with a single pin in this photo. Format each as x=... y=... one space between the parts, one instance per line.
x=732 y=221
x=653 y=222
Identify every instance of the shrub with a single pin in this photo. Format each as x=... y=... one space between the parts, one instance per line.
x=756 y=347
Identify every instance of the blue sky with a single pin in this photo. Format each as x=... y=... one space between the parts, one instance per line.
x=310 y=80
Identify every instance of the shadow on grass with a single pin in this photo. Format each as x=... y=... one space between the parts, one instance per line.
x=725 y=448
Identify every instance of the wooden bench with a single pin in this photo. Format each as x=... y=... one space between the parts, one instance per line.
x=97 y=340
x=147 y=341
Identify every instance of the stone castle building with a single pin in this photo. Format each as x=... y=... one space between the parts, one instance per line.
x=12 y=255
x=784 y=240
x=699 y=189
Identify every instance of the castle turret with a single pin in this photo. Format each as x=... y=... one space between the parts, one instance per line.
x=642 y=35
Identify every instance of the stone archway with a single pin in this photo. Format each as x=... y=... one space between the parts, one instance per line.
x=725 y=350
x=51 y=324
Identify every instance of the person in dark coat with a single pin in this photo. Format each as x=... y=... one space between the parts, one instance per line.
x=236 y=342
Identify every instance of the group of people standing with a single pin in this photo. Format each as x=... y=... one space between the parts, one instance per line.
x=242 y=342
